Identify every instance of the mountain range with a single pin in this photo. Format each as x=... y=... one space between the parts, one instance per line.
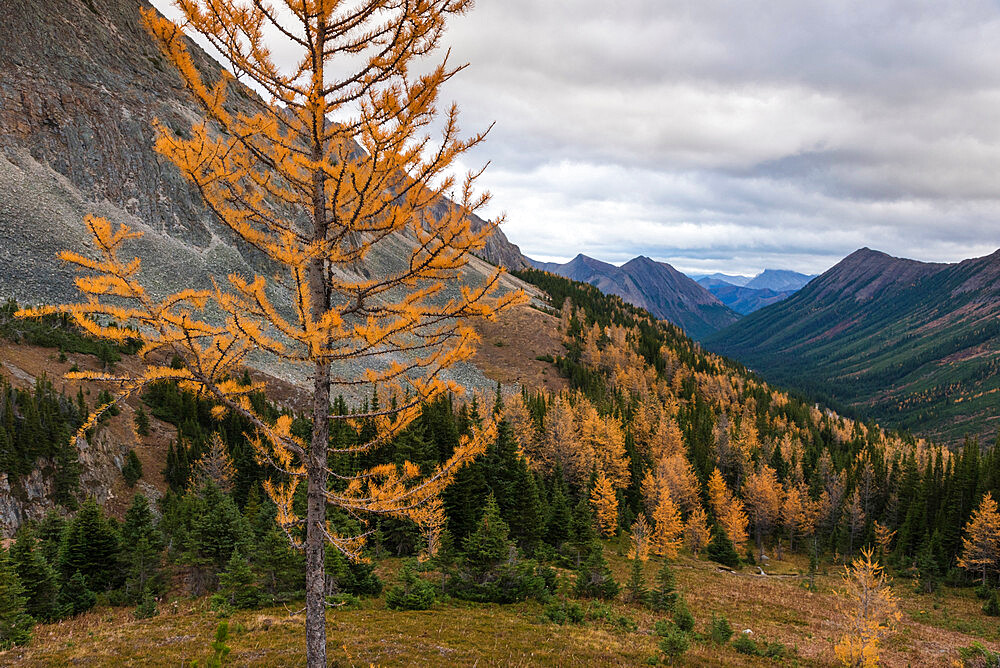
x=746 y=294
x=914 y=344
x=655 y=286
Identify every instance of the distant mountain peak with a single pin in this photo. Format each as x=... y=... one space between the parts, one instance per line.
x=654 y=286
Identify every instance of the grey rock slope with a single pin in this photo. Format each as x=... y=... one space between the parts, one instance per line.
x=81 y=81
x=654 y=286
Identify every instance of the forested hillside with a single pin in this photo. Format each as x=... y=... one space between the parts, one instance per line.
x=657 y=444
x=914 y=345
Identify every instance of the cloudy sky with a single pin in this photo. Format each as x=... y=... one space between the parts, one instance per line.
x=734 y=135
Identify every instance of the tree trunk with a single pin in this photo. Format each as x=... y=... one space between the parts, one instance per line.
x=316 y=522
x=319 y=289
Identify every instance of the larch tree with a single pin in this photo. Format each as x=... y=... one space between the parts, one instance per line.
x=336 y=161
x=668 y=529
x=729 y=511
x=605 y=503
x=981 y=543
x=870 y=611
x=696 y=531
x=763 y=492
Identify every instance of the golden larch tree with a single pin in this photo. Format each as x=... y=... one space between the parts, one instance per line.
x=981 y=543
x=316 y=197
x=883 y=538
x=729 y=511
x=605 y=503
x=696 y=531
x=870 y=611
x=763 y=494
x=668 y=529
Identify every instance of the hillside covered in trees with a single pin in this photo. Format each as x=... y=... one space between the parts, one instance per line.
x=657 y=447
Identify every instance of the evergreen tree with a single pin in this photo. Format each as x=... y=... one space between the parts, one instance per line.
x=37 y=577
x=75 y=596
x=636 y=590
x=490 y=569
x=90 y=547
x=131 y=469
x=664 y=595
x=594 y=578
x=351 y=577
x=214 y=530
x=280 y=565
x=139 y=523
x=238 y=586
x=49 y=533
x=582 y=536
x=15 y=622
x=560 y=517
x=141 y=421
x=721 y=550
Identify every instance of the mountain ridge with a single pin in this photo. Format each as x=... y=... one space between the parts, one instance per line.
x=916 y=344
x=655 y=286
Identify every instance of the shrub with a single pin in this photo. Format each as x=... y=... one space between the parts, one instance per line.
x=344 y=601
x=745 y=645
x=673 y=642
x=563 y=611
x=147 y=606
x=983 y=592
x=992 y=605
x=977 y=656
x=412 y=592
x=720 y=630
x=625 y=623
x=682 y=616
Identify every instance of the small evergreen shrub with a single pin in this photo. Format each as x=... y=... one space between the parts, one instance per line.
x=673 y=641
x=147 y=606
x=744 y=644
x=983 y=592
x=683 y=617
x=412 y=592
x=563 y=611
x=720 y=630
x=992 y=605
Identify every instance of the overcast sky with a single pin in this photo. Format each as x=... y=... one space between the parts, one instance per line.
x=736 y=135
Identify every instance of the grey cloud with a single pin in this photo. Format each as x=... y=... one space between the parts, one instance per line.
x=736 y=135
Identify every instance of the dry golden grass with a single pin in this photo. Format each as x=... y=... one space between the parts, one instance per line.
x=775 y=607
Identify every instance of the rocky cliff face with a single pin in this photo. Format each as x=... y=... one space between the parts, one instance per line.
x=81 y=83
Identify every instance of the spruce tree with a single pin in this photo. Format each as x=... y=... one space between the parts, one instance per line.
x=664 y=595
x=90 y=547
x=238 y=586
x=490 y=570
x=582 y=535
x=15 y=622
x=49 y=533
x=75 y=596
x=635 y=590
x=37 y=577
x=721 y=550
x=560 y=516
x=594 y=578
